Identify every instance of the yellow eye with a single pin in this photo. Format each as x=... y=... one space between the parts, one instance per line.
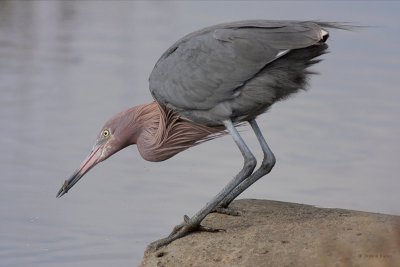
x=105 y=133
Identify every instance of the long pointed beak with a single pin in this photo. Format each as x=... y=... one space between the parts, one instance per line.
x=86 y=165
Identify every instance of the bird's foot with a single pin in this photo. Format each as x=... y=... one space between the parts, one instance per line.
x=192 y=227
x=179 y=231
x=227 y=211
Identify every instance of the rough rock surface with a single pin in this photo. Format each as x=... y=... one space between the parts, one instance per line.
x=271 y=233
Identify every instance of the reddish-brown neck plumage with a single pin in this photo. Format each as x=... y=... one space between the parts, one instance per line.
x=160 y=133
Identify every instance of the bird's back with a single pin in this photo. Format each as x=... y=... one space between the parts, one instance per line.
x=237 y=70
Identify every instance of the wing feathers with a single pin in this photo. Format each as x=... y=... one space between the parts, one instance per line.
x=205 y=68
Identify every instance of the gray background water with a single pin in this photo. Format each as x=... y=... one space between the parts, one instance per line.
x=66 y=67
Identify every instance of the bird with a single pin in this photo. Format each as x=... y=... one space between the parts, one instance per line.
x=206 y=85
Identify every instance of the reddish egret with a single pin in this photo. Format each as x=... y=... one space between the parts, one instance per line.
x=206 y=84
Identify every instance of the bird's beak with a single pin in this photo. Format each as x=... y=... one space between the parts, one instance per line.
x=87 y=164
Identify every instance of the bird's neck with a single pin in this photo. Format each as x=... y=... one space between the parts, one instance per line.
x=140 y=119
x=161 y=133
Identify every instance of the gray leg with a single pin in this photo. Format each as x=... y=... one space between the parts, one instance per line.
x=194 y=223
x=266 y=166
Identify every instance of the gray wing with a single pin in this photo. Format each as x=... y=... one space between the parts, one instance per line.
x=207 y=67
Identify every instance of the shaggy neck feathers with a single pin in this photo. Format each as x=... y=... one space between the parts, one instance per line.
x=161 y=133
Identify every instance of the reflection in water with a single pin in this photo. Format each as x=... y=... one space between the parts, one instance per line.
x=67 y=66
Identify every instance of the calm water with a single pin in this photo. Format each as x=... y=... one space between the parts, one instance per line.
x=66 y=67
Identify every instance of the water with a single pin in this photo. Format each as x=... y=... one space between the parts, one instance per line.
x=66 y=67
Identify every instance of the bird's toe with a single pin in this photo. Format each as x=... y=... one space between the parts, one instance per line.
x=227 y=211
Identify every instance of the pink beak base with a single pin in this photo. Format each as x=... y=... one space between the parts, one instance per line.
x=90 y=161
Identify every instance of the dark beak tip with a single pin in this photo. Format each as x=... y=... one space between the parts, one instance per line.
x=60 y=193
x=63 y=189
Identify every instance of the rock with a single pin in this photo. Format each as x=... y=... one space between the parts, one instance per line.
x=272 y=233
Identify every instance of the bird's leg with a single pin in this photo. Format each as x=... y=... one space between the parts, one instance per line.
x=193 y=223
x=266 y=166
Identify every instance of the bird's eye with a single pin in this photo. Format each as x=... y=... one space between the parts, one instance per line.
x=105 y=133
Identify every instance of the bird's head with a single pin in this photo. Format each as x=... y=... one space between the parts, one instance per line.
x=116 y=134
